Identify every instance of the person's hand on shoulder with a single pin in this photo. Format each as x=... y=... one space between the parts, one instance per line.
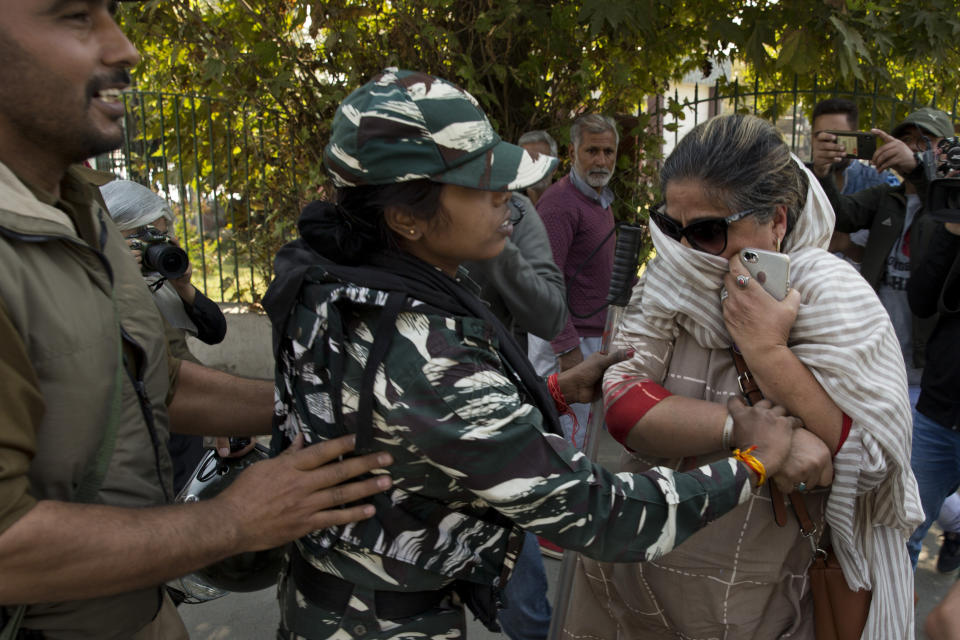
x=299 y=491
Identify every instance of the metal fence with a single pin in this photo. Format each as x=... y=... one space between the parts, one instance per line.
x=225 y=173
x=236 y=188
x=789 y=109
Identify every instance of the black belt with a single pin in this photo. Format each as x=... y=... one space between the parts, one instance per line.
x=329 y=592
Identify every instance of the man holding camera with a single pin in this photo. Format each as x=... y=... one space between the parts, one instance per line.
x=147 y=221
x=895 y=217
x=85 y=379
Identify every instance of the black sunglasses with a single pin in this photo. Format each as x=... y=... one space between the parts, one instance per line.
x=708 y=235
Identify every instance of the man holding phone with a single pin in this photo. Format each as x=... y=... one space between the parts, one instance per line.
x=852 y=173
x=894 y=215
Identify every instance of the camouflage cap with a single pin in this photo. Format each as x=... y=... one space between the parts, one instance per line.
x=407 y=125
x=932 y=121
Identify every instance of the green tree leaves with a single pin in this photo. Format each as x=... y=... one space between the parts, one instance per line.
x=533 y=64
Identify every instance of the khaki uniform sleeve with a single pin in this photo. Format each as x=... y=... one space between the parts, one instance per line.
x=173 y=369
x=21 y=409
x=177 y=352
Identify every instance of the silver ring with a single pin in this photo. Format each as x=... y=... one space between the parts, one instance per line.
x=723 y=295
x=743 y=281
x=800 y=486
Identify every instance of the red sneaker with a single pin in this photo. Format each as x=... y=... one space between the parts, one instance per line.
x=550 y=549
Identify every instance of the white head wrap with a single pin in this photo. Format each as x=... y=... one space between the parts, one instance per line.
x=133 y=205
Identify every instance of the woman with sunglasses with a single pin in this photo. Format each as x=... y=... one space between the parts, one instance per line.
x=827 y=352
x=378 y=334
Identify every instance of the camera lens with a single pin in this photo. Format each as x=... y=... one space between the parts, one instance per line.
x=166 y=259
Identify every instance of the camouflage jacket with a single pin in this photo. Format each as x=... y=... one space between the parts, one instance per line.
x=466 y=444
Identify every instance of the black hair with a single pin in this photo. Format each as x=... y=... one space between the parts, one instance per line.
x=355 y=226
x=838 y=105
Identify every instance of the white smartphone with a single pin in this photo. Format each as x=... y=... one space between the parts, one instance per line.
x=769 y=268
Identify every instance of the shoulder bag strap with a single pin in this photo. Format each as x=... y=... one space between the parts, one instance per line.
x=807 y=526
x=752 y=394
x=748 y=386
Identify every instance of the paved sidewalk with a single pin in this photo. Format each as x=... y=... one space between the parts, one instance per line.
x=254 y=616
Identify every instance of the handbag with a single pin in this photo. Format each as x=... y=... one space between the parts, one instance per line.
x=839 y=612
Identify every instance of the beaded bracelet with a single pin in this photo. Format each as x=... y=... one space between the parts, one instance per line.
x=752 y=463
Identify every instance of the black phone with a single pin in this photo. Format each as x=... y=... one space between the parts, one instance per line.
x=857 y=144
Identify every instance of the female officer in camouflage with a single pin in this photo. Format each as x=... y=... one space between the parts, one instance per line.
x=377 y=333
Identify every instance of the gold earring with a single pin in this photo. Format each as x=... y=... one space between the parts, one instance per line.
x=412 y=231
x=778 y=245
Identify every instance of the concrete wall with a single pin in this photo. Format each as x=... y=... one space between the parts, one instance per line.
x=247 y=350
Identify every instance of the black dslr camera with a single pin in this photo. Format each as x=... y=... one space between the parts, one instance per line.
x=943 y=196
x=159 y=254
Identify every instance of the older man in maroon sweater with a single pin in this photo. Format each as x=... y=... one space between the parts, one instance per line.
x=576 y=212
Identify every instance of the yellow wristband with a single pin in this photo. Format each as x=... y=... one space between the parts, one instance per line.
x=752 y=462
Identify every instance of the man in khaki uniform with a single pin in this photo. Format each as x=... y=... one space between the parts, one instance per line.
x=85 y=378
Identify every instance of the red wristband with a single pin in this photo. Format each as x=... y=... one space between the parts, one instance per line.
x=625 y=410
x=554 y=386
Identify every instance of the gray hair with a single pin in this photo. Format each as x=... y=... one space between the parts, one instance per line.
x=539 y=135
x=743 y=162
x=592 y=123
x=133 y=205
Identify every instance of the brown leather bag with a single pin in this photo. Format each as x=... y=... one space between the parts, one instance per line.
x=839 y=612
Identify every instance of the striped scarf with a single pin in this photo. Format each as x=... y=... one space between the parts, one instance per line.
x=843 y=335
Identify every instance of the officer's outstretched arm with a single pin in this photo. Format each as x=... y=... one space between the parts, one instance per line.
x=62 y=551
x=208 y=402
